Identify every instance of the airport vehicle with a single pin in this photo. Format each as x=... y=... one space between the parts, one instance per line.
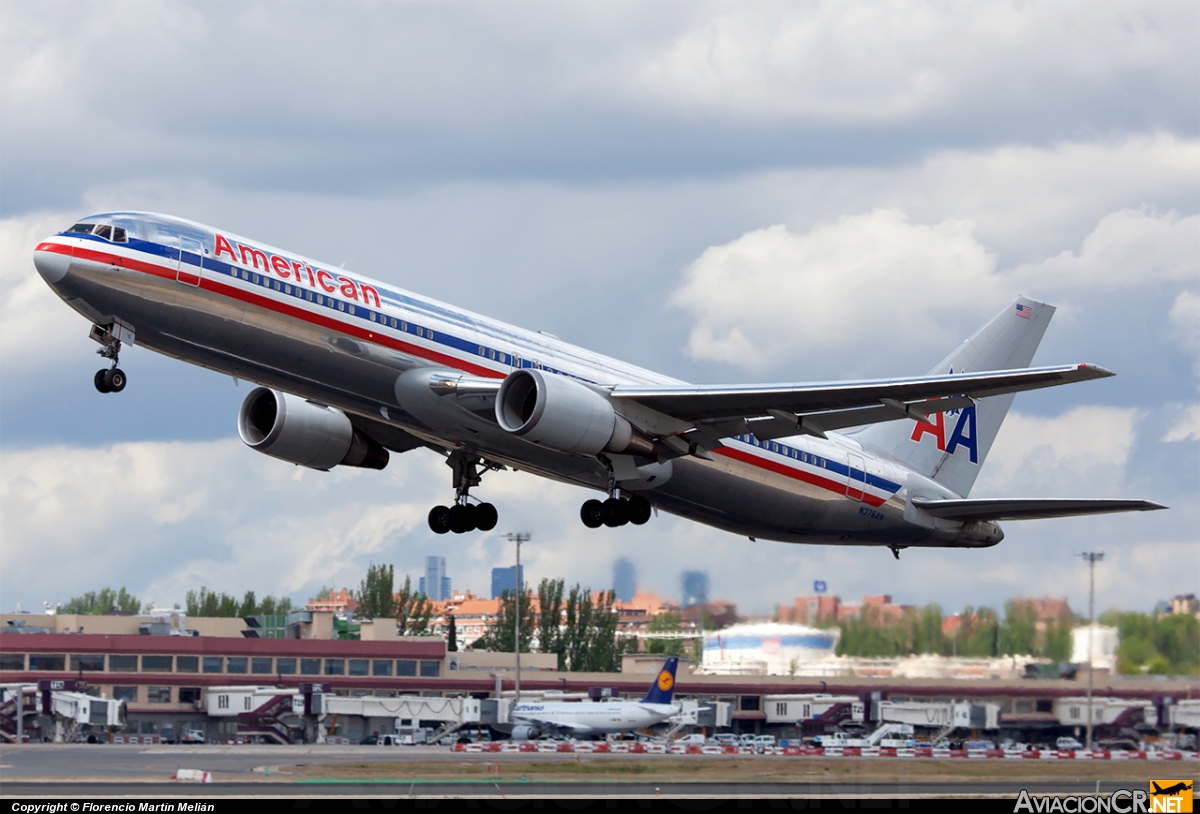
x=530 y=720
x=352 y=370
x=1067 y=744
x=193 y=736
x=883 y=736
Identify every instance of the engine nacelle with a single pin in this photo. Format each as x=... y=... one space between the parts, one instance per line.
x=565 y=415
x=300 y=432
x=526 y=733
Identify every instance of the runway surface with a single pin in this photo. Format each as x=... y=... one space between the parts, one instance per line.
x=77 y=771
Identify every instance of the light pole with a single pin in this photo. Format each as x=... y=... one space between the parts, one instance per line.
x=1091 y=558
x=518 y=539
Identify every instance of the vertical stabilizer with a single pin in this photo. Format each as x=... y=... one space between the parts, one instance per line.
x=953 y=448
x=663 y=688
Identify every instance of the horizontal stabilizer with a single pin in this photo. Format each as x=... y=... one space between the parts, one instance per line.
x=1028 y=509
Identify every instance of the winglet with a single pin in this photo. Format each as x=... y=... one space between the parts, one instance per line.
x=663 y=688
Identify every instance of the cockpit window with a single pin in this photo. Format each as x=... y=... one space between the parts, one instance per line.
x=104 y=231
x=119 y=236
x=82 y=229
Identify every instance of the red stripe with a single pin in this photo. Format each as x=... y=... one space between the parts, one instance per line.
x=796 y=474
x=216 y=286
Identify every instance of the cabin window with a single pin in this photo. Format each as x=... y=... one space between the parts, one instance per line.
x=287 y=289
x=104 y=231
x=403 y=325
x=119 y=236
x=420 y=331
x=350 y=308
x=482 y=351
x=491 y=354
x=372 y=317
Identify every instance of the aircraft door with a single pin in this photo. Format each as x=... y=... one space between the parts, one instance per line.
x=856 y=477
x=191 y=261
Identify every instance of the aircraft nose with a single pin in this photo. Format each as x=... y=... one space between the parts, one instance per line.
x=51 y=262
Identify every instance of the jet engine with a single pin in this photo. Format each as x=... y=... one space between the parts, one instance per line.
x=526 y=733
x=300 y=432
x=565 y=415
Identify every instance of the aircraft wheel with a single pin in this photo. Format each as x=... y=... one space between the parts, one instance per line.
x=592 y=514
x=486 y=517
x=639 y=510
x=99 y=381
x=616 y=512
x=462 y=518
x=439 y=519
x=115 y=380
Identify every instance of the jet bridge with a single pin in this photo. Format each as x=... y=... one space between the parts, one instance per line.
x=65 y=701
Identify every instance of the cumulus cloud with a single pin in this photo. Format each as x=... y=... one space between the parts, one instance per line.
x=774 y=294
x=881 y=63
x=1127 y=248
x=1187 y=427
x=35 y=325
x=1083 y=452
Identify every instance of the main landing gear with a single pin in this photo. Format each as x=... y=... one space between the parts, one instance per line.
x=464 y=516
x=616 y=511
x=113 y=379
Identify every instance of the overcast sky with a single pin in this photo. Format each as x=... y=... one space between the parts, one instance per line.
x=663 y=182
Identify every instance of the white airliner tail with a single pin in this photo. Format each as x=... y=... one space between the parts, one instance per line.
x=953 y=447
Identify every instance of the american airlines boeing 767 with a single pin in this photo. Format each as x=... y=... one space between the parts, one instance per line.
x=351 y=369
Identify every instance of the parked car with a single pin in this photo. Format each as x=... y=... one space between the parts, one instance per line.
x=727 y=739
x=369 y=740
x=1067 y=744
x=764 y=741
x=694 y=739
x=193 y=736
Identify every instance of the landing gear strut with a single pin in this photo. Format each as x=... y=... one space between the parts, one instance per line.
x=895 y=550
x=465 y=516
x=113 y=379
x=616 y=511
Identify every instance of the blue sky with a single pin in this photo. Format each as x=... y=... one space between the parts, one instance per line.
x=671 y=184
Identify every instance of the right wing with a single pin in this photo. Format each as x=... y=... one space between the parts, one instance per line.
x=704 y=414
x=967 y=510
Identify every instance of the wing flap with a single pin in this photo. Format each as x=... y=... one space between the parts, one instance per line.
x=967 y=510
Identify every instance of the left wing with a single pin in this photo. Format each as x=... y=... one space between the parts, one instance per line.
x=1028 y=508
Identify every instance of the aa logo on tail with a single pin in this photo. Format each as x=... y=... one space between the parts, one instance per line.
x=665 y=682
x=964 y=433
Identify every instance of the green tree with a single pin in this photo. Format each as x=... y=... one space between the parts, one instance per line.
x=206 y=603
x=413 y=611
x=666 y=623
x=499 y=637
x=375 y=595
x=1163 y=646
x=549 y=620
x=1018 y=633
x=591 y=631
x=928 y=630
x=96 y=603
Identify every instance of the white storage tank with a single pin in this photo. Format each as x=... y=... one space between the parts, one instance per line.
x=766 y=648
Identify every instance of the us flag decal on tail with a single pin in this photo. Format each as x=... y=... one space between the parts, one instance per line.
x=1024 y=311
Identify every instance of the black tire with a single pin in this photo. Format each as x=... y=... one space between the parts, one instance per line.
x=486 y=517
x=639 y=510
x=101 y=375
x=592 y=514
x=462 y=518
x=439 y=519
x=115 y=380
x=616 y=512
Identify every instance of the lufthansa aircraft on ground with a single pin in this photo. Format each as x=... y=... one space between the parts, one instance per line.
x=535 y=718
x=351 y=368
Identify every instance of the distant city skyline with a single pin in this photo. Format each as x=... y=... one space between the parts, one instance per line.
x=624 y=579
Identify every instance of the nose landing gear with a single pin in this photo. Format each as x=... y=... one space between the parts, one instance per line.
x=113 y=379
x=465 y=516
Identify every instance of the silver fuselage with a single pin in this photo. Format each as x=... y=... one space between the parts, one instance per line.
x=214 y=299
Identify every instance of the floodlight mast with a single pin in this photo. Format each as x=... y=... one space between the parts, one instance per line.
x=1091 y=558
x=518 y=538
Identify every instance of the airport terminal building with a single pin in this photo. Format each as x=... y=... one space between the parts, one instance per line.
x=225 y=684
